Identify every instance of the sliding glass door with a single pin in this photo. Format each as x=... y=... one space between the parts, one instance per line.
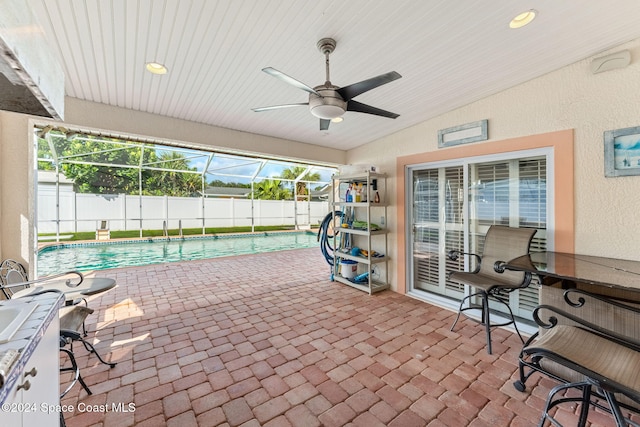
x=452 y=205
x=437 y=223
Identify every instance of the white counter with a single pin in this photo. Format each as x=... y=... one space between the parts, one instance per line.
x=28 y=337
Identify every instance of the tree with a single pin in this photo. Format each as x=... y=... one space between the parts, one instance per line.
x=169 y=180
x=102 y=166
x=111 y=166
x=270 y=189
x=220 y=183
x=301 y=186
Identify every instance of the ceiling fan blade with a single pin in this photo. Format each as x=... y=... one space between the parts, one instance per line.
x=364 y=108
x=324 y=124
x=277 y=107
x=351 y=91
x=289 y=80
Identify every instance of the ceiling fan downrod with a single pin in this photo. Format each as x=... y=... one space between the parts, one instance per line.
x=326 y=47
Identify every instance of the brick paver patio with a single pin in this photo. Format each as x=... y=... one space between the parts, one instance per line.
x=269 y=340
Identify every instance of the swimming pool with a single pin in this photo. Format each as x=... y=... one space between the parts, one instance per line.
x=129 y=253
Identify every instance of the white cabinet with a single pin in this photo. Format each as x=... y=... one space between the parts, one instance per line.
x=360 y=255
x=34 y=398
x=42 y=371
x=11 y=414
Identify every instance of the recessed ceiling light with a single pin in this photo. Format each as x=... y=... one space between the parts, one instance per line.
x=337 y=119
x=156 y=68
x=523 y=19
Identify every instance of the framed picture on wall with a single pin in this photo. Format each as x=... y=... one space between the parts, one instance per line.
x=622 y=152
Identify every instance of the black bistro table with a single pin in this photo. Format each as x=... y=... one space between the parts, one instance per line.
x=605 y=279
x=570 y=269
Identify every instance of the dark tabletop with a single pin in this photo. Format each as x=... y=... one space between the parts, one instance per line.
x=610 y=272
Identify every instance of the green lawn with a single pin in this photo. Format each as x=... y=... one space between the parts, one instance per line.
x=129 y=234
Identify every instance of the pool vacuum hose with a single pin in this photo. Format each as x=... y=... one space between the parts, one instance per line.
x=324 y=237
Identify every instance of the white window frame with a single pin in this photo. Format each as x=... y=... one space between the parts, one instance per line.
x=442 y=301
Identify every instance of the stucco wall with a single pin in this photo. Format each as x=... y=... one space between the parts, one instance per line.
x=15 y=188
x=606 y=209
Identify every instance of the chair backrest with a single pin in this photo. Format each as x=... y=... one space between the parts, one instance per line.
x=12 y=272
x=504 y=243
x=72 y=317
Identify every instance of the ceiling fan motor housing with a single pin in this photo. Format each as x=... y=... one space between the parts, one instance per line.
x=329 y=105
x=326 y=46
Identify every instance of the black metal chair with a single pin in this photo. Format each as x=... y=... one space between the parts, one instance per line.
x=12 y=273
x=603 y=364
x=489 y=280
x=14 y=277
x=72 y=319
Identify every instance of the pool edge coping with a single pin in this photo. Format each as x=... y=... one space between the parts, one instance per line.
x=57 y=245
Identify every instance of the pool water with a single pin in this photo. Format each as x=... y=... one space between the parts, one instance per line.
x=99 y=256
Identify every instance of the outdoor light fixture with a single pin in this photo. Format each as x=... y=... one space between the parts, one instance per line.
x=156 y=68
x=328 y=108
x=523 y=19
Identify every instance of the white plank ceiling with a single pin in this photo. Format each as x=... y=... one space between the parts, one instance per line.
x=450 y=53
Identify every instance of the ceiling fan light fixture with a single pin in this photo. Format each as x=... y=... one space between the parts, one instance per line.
x=327 y=112
x=523 y=19
x=328 y=105
x=156 y=68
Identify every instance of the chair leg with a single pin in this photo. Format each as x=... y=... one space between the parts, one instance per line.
x=76 y=336
x=550 y=403
x=586 y=401
x=459 y=312
x=91 y=349
x=513 y=319
x=615 y=409
x=77 y=376
x=84 y=327
x=484 y=315
x=486 y=319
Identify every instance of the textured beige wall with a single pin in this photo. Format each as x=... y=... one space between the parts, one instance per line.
x=15 y=188
x=606 y=209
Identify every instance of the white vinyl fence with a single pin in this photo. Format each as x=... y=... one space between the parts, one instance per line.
x=85 y=212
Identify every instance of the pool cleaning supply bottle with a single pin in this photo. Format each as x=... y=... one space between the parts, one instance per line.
x=361 y=277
